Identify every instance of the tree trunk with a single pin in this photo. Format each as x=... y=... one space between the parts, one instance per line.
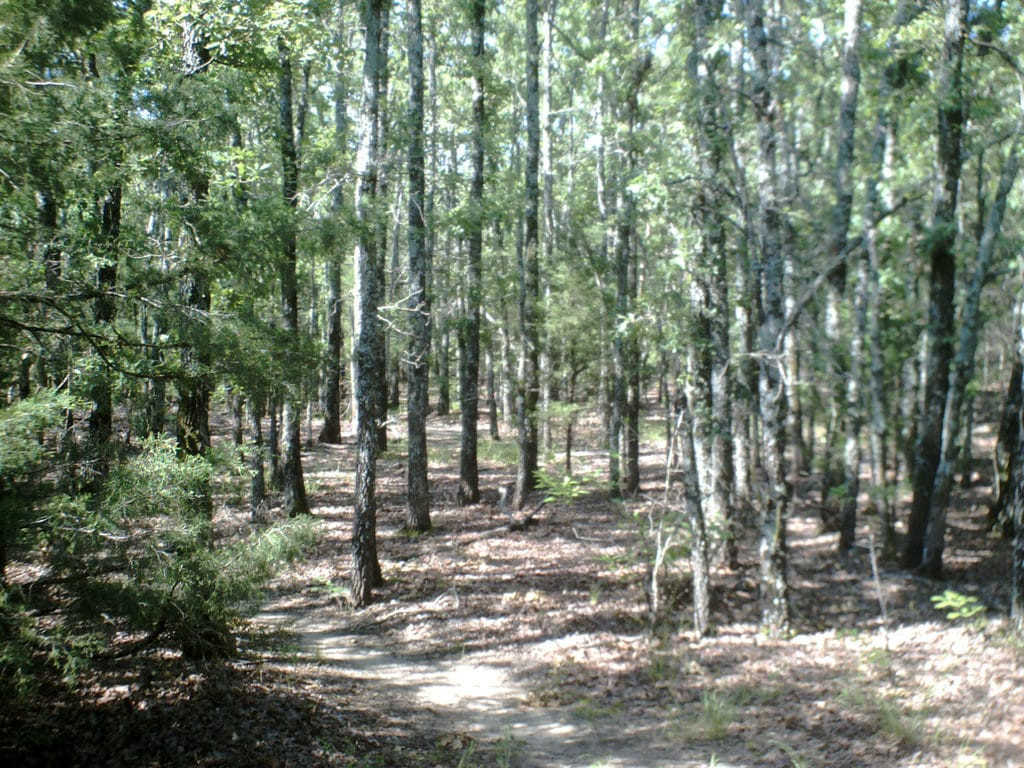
x=528 y=384
x=295 y=502
x=258 y=490
x=417 y=508
x=1005 y=456
x=1015 y=496
x=716 y=284
x=469 y=374
x=699 y=551
x=334 y=370
x=963 y=369
x=492 y=400
x=380 y=220
x=444 y=392
x=942 y=280
x=769 y=270
x=368 y=357
x=101 y=417
x=842 y=211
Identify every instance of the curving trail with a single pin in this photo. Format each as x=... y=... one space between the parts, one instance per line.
x=529 y=648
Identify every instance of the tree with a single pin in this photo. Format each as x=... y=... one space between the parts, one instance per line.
x=418 y=490
x=941 y=255
x=334 y=369
x=294 y=485
x=769 y=269
x=469 y=373
x=369 y=348
x=528 y=384
x=839 y=228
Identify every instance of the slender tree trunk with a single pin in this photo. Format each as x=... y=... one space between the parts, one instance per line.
x=942 y=281
x=193 y=421
x=1006 y=444
x=368 y=357
x=492 y=400
x=335 y=370
x=613 y=396
x=716 y=289
x=545 y=373
x=769 y=270
x=383 y=123
x=699 y=550
x=469 y=388
x=444 y=392
x=842 y=211
x=417 y=508
x=295 y=502
x=258 y=490
x=274 y=442
x=1014 y=500
x=101 y=417
x=528 y=384
x=963 y=370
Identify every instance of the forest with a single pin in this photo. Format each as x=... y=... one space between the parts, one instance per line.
x=511 y=383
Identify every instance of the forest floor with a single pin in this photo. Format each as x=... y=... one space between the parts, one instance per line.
x=533 y=648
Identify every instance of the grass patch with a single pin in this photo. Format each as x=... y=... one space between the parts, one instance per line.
x=504 y=452
x=887 y=713
x=717 y=714
x=594 y=711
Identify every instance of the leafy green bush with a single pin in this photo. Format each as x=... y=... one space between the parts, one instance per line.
x=174 y=579
x=958 y=605
x=140 y=556
x=26 y=465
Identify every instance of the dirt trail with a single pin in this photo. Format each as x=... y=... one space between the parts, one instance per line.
x=480 y=696
x=529 y=648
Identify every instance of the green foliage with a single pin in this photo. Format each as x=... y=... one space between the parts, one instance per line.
x=717 y=714
x=558 y=489
x=958 y=606
x=175 y=579
x=27 y=463
x=27 y=647
x=140 y=557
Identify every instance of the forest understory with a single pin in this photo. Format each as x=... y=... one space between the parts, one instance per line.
x=534 y=648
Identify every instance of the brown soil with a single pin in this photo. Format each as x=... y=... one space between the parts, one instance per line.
x=489 y=647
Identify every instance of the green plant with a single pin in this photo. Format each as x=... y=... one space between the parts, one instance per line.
x=29 y=454
x=888 y=714
x=716 y=716
x=591 y=711
x=506 y=749
x=337 y=592
x=795 y=758
x=957 y=605
x=558 y=489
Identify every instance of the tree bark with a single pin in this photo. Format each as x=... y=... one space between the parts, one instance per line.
x=715 y=290
x=258 y=489
x=963 y=369
x=699 y=550
x=769 y=269
x=101 y=417
x=417 y=509
x=469 y=388
x=528 y=385
x=842 y=211
x=368 y=357
x=334 y=369
x=295 y=502
x=942 y=283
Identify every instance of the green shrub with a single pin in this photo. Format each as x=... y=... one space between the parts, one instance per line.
x=27 y=464
x=139 y=556
x=174 y=579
